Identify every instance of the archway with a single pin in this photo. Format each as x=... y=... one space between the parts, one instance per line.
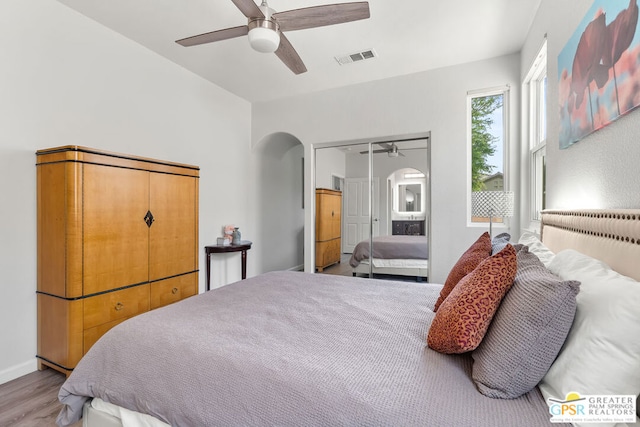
x=280 y=211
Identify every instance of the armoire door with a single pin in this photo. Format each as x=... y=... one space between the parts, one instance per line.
x=336 y=220
x=173 y=234
x=328 y=211
x=116 y=237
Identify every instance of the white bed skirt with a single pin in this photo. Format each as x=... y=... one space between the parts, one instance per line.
x=98 y=413
x=396 y=267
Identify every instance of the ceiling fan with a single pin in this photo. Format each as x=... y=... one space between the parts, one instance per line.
x=390 y=149
x=265 y=27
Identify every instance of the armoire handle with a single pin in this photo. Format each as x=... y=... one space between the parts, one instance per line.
x=148 y=218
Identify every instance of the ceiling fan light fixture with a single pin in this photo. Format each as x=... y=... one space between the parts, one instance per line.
x=264 y=36
x=265 y=27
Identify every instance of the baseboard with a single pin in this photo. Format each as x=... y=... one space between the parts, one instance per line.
x=297 y=268
x=17 y=371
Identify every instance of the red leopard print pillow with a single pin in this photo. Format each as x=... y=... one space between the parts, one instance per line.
x=469 y=260
x=465 y=315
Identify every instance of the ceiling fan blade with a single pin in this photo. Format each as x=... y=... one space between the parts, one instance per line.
x=214 y=36
x=289 y=56
x=319 y=16
x=248 y=8
x=375 y=151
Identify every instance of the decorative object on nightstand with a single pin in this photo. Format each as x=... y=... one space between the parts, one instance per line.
x=492 y=204
x=228 y=234
x=236 y=236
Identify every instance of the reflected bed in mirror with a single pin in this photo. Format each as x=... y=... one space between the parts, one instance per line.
x=395 y=255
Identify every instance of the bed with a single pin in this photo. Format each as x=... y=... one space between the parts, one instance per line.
x=289 y=348
x=399 y=255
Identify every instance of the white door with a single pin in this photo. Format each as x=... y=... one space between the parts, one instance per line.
x=355 y=220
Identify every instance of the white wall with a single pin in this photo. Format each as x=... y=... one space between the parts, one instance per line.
x=430 y=101
x=329 y=162
x=277 y=199
x=65 y=80
x=600 y=171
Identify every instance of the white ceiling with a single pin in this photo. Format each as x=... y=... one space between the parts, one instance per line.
x=409 y=36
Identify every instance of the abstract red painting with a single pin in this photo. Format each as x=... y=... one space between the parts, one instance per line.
x=599 y=70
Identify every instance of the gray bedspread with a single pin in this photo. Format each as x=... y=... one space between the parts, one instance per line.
x=291 y=349
x=391 y=247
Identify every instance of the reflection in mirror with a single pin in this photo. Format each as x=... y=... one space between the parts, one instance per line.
x=407 y=191
x=385 y=199
x=409 y=196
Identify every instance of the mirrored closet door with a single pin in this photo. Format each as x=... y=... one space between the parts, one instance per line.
x=384 y=190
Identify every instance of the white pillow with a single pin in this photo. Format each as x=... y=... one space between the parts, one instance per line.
x=602 y=352
x=536 y=247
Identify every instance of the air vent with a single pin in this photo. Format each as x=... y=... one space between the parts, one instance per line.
x=356 y=57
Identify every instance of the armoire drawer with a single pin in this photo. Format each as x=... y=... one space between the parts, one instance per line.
x=115 y=305
x=171 y=290
x=327 y=253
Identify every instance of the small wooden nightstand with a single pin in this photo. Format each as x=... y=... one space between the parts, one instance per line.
x=242 y=247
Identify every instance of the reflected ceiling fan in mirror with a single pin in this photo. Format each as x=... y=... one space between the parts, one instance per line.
x=265 y=27
x=390 y=149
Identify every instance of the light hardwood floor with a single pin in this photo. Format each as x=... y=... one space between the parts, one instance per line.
x=32 y=400
x=342 y=268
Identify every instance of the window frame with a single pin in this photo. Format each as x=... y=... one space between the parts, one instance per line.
x=535 y=109
x=479 y=93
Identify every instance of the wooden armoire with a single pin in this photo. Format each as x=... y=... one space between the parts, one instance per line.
x=328 y=227
x=117 y=236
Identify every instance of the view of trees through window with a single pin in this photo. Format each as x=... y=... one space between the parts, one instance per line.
x=487 y=145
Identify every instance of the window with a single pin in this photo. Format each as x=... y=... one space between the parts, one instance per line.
x=535 y=91
x=337 y=182
x=487 y=144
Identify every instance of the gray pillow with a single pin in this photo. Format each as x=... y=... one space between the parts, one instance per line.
x=499 y=242
x=527 y=331
x=537 y=247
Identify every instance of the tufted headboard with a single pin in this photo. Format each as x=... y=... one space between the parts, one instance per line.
x=610 y=235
